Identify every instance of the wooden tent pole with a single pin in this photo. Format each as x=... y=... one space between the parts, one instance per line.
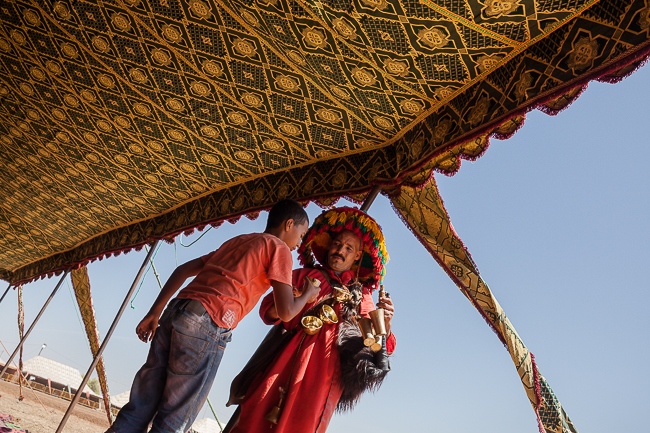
x=5 y=293
x=372 y=195
x=77 y=395
x=11 y=358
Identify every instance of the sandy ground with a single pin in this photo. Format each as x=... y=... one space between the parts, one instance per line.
x=32 y=416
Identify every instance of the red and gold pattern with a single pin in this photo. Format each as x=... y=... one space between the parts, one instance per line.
x=122 y=122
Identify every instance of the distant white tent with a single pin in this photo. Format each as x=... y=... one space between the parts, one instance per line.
x=120 y=400
x=206 y=425
x=55 y=371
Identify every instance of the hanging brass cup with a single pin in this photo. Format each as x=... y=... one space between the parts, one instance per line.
x=366 y=329
x=311 y=325
x=328 y=315
x=376 y=346
x=342 y=295
x=377 y=317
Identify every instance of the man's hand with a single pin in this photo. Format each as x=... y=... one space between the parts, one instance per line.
x=389 y=310
x=147 y=327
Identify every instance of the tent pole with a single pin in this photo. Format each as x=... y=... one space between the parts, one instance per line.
x=215 y=415
x=77 y=395
x=5 y=293
x=372 y=195
x=4 y=369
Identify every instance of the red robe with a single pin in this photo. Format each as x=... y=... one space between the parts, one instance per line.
x=314 y=389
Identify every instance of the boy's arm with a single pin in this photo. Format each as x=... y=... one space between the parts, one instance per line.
x=286 y=306
x=147 y=327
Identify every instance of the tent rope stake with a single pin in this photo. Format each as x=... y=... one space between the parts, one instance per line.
x=22 y=340
x=77 y=395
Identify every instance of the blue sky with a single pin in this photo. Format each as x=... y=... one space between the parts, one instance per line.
x=555 y=219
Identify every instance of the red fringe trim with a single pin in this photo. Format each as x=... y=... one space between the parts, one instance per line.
x=538 y=392
x=555 y=111
x=252 y=216
x=611 y=79
x=323 y=205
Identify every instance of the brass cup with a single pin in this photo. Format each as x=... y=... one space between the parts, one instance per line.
x=328 y=315
x=377 y=317
x=366 y=329
x=342 y=295
x=376 y=346
x=311 y=325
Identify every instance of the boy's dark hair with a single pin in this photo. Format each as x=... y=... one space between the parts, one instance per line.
x=284 y=210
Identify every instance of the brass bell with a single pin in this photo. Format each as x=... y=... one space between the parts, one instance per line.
x=366 y=329
x=376 y=346
x=274 y=414
x=377 y=317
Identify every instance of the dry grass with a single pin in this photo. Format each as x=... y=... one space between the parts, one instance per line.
x=31 y=415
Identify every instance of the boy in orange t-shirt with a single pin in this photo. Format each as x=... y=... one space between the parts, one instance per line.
x=188 y=341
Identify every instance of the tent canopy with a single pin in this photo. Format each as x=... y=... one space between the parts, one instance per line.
x=127 y=121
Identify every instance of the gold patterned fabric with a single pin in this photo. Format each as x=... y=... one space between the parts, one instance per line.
x=81 y=284
x=424 y=213
x=124 y=121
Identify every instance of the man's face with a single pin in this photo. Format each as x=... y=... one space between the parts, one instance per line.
x=344 y=250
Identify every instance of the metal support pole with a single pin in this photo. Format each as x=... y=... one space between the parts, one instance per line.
x=5 y=293
x=77 y=395
x=215 y=415
x=155 y=272
x=11 y=358
x=372 y=195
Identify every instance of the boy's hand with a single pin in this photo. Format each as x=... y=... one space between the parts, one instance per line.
x=147 y=327
x=311 y=289
x=286 y=305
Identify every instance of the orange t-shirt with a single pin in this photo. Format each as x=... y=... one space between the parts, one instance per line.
x=235 y=276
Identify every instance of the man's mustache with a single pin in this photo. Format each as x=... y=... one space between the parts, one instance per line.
x=339 y=256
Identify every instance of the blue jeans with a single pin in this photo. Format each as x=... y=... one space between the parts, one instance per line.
x=173 y=384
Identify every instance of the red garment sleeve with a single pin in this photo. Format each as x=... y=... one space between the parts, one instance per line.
x=267 y=303
x=367 y=304
x=391 y=342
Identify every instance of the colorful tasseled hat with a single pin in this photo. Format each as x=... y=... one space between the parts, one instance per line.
x=317 y=241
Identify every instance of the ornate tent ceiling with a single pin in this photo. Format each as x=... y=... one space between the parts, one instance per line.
x=126 y=121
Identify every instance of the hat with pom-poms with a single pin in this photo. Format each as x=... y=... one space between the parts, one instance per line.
x=315 y=245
